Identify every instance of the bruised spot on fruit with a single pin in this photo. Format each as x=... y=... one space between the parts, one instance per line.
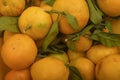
x=13 y=48
x=18 y=38
x=4 y=2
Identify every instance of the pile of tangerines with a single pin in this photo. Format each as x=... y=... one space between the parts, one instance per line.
x=42 y=49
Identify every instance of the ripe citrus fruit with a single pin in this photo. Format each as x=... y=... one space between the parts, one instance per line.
x=97 y=52
x=45 y=7
x=18 y=75
x=19 y=51
x=85 y=67
x=115 y=23
x=1 y=42
x=3 y=68
x=110 y=7
x=77 y=8
x=7 y=35
x=82 y=44
x=49 y=68
x=108 y=68
x=35 y=22
x=12 y=7
x=72 y=55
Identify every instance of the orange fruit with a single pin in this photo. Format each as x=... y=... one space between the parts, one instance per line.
x=12 y=7
x=108 y=68
x=110 y=7
x=115 y=23
x=3 y=68
x=19 y=51
x=35 y=22
x=1 y=42
x=72 y=55
x=45 y=7
x=18 y=75
x=49 y=68
x=82 y=44
x=85 y=67
x=77 y=8
x=7 y=35
x=97 y=52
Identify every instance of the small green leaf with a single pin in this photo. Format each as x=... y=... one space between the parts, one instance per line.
x=55 y=12
x=108 y=26
x=95 y=13
x=87 y=29
x=97 y=8
x=51 y=35
x=76 y=36
x=9 y=23
x=72 y=21
x=74 y=74
x=55 y=49
x=107 y=39
x=72 y=46
x=49 y=2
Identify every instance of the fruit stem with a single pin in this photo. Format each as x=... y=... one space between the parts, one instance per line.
x=27 y=28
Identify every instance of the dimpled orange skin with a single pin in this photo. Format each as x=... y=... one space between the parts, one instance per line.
x=110 y=7
x=7 y=35
x=77 y=8
x=108 y=68
x=18 y=75
x=12 y=7
x=3 y=68
x=82 y=44
x=85 y=67
x=49 y=68
x=19 y=52
x=99 y=51
x=35 y=22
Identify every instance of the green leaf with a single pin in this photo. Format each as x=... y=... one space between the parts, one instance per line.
x=72 y=46
x=55 y=12
x=54 y=49
x=9 y=24
x=107 y=39
x=72 y=21
x=49 y=2
x=76 y=36
x=108 y=26
x=74 y=74
x=51 y=35
x=95 y=13
x=97 y=8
